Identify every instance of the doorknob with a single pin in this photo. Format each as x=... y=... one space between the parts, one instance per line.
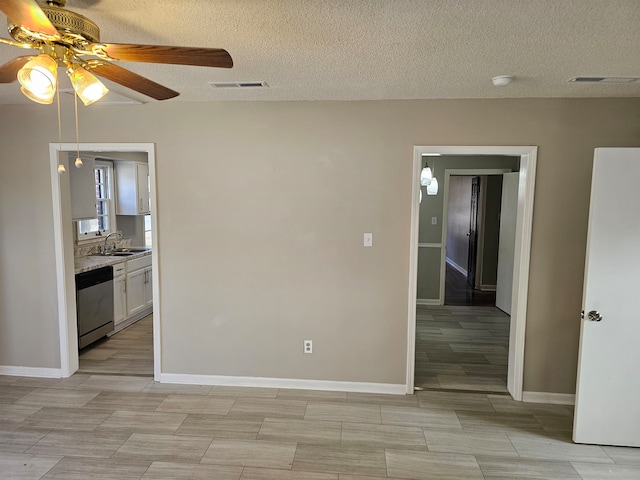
x=593 y=316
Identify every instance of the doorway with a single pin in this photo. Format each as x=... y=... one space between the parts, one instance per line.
x=526 y=183
x=64 y=248
x=462 y=344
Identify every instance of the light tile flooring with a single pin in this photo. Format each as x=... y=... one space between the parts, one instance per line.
x=117 y=423
x=130 y=351
x=129 y=427
x=462 y=348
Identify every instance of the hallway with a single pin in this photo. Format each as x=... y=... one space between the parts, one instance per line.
x=457 y=291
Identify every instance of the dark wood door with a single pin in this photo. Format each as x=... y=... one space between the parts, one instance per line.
x=473 y=232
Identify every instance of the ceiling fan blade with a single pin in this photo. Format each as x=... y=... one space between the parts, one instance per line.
x=9 y=71
x=132 y=80
x=204 y=57
x=28 y=14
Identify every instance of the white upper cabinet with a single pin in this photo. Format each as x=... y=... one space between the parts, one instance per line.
x=132 y=187
x=83 y=188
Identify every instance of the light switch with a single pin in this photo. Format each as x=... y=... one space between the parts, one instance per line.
x=368 y=239
x=434 y=220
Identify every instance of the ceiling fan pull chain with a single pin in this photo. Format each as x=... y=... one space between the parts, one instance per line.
x=61 y=168
x=75 y=107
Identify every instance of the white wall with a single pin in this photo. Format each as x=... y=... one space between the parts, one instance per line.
x=261 y=211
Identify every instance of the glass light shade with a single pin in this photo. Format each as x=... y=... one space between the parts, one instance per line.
x=426 y=176
x=432 y=188
x=86 y=85
x=39 y=78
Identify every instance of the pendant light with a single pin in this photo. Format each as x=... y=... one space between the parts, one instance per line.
x=425 y=175
x=432 y=188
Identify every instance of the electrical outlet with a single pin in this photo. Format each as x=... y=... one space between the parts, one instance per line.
x=307 y=346
x=434 y=220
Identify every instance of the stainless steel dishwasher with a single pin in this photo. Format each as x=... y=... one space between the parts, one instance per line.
x=94 y=304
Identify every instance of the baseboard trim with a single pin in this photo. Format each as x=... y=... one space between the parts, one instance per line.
x=457 y=267
x=266 y=382
x=487 y=288
x=30 y=371
x=552 y=398
x=427 y=301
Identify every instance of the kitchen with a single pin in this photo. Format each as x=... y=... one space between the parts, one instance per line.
x=112 y=235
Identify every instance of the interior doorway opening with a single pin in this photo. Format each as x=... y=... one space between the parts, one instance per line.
x=433 y=248
x=66 y=240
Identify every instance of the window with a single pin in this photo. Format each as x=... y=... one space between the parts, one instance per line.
x=147 y=231
x=104 y=222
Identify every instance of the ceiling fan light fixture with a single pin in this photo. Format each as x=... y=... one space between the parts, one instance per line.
x=39 y=78
x=86 y=85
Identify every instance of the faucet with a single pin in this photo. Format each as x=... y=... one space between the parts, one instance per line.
x=107 y=238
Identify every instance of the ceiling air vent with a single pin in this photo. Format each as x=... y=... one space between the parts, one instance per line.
x=239 y=84
x=604 y=79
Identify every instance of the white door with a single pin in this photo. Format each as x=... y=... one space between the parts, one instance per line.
x=507 y=241
x=607 y=410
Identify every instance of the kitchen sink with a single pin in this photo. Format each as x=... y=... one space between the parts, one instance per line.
x=114 y=254
x=123 y=252
x=132 y=249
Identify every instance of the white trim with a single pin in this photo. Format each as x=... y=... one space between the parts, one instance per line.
x=429 y=245
x=68 y=329
x=528 y=156
x=428 y=301
x=488 y=288
x=551 y=398
x=131 y=320
x=334 y=386
x=30 y=371
x=455 y=266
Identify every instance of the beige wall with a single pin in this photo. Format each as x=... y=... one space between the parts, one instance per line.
x=261 y=210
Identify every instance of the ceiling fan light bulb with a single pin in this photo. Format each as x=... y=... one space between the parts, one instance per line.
x=39 y=78
x=78 y=162
x=86 y=85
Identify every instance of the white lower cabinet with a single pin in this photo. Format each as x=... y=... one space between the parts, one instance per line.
x=119 y=293
x=135 y=292
x=138 y=286
x=148 y=287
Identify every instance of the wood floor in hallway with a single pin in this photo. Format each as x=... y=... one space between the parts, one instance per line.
x=462 y=348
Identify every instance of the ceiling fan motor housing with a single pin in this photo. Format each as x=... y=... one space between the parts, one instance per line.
x=75 y=29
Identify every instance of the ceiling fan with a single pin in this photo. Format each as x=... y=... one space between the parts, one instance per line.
x=70 y=40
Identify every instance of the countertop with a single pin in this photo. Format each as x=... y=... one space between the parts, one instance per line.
x=91 y=262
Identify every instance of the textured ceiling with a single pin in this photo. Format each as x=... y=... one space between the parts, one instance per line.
x=377 y=49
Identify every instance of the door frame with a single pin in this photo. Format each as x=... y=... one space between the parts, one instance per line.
x=524 y=222
x=448 y=173
x=63 y=246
